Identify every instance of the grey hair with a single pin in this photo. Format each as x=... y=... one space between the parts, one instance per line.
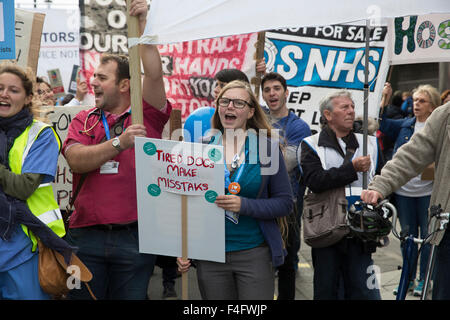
x=325 y=103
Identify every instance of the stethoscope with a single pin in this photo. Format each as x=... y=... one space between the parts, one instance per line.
x=101 y=116
x=85 y=130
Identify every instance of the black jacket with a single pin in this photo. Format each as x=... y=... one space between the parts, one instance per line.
x=318 y=179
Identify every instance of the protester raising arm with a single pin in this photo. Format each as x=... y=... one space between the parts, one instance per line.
x=153 y=88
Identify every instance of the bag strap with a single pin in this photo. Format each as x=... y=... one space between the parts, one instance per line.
x=77 y=191
x=348 y=154
x=90 y=291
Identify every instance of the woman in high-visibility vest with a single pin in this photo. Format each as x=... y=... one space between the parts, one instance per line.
x=28 y=160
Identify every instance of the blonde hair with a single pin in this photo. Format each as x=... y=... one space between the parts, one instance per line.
x=431 y=92
x=257 y=122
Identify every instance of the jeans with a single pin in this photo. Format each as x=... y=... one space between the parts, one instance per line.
x=119 y=270
x=413 y=216
x=344 y=270
x=441 y=274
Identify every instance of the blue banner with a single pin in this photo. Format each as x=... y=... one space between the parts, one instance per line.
x=7 y=32
x=318 y=65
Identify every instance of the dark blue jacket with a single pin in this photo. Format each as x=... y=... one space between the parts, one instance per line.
x=399 y=130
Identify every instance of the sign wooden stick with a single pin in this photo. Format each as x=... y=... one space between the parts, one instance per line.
x=259 y=55
x=137 y=116
x=175 y=123
x=184 y=247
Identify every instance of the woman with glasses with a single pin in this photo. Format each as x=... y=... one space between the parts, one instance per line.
x=257 y=197
x=412 y=200
x=45 y=92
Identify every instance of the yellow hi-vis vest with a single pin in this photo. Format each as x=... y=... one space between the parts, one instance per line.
x=42 y=202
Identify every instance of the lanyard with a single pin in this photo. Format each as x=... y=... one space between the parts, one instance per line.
x=238 y=174
x=106 y=126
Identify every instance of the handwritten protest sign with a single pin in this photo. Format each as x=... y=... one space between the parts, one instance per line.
x=7 y=41
x=166 y=170
x=60 y=118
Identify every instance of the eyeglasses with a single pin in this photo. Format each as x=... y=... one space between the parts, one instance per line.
x=420 y=100
x=237 y=103
x=44 y=91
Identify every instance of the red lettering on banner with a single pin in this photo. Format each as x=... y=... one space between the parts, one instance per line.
x=190 y=68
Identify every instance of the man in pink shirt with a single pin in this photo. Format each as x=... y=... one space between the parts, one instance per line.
x=100 y=145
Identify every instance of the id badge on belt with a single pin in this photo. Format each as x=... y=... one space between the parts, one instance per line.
x=110 y=167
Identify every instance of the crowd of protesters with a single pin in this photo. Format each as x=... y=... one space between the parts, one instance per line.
x=262 y=218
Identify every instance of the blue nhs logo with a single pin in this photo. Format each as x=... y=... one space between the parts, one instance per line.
x=308 y=64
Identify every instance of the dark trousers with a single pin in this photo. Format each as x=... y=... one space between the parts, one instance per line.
x=119 y=270
x=345 y=266
x=169 y=269
x=286 y=272
x=441 y=281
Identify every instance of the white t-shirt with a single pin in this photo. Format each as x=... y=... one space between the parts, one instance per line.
x=416 y=187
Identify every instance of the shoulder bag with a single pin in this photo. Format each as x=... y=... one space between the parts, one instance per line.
x=55 y=276
x=324 y=214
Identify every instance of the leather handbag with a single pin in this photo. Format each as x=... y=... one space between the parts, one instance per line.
x=54 y=273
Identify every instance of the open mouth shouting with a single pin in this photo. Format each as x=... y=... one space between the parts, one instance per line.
x=230 y=117
x=98 y=95
x=4 y=104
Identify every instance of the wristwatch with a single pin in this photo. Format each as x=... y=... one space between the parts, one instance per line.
x=116 y=144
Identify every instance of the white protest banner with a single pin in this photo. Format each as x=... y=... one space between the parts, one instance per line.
x=166 y=170
x=420 y=39
x=7 y=34
x=180 y=20
x=60 y=118
x=318 y=60
x=60 y=43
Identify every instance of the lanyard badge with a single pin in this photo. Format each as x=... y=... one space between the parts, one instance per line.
x=233 y=187
x=106 y=126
